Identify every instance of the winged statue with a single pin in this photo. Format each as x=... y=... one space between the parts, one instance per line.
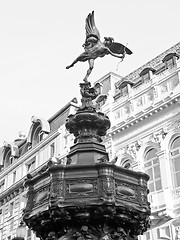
x=94 y=47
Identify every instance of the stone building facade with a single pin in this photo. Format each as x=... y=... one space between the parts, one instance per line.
x=45 y=140
x=144 y=109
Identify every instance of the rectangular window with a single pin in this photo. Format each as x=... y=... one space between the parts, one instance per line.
x=11 y=208
x=150 y=173
x=1 y=186
x=11 y=159
x=52 y=150
x=1 y=216
x=158 y=185
x=164 y=233
x=170 y=63
x=29 y=146
x=177 y=179
x=14 y=176
x=151 y=187
x=177 y=163
x=31 y=165
x=1 y=167
x=40 y=136
x=124 y=91
x=146 y=77
x=152 y=168
x=11 y=225
x=157 y=172
x=175 y=158
x=1 y=234
x=65 y=141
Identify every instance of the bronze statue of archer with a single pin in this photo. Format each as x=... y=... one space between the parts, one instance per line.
x=95 y=48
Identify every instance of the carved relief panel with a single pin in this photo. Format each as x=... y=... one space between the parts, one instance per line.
x=126 y=191
x=81 y=188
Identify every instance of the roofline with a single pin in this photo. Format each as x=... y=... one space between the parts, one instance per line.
x=107 y=75
x=153 y=62
x=70 y=103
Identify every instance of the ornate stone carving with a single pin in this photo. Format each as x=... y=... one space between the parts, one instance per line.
x=132 y=150
x=155 y=138
x=139 y=102
x=150 y=96
x=164 y=88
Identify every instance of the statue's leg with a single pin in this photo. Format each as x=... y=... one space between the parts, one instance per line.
x=91 y=66
x=72 y=64
x=81 y=58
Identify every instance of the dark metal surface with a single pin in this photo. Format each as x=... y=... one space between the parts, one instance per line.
x=95 y=48
x=89 y=197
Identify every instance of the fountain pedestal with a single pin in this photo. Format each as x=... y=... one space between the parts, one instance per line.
x=89 y=197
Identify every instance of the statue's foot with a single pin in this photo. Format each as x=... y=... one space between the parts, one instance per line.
x=85 y=80
x=69 y=66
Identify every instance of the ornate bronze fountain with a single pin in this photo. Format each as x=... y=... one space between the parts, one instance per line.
x=89 y=197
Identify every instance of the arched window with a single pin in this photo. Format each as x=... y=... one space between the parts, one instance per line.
x=38 y=131
x=146 y=74
x=124 y=87
x=37 y=136
x=8 y=159
x=175 y=161
x=170 y=59
x=10 y=153
x=152 y=168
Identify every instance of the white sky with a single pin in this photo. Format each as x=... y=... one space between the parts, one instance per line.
x=39 y=38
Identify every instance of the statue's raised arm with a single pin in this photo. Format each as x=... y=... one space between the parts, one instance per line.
x=93 y=47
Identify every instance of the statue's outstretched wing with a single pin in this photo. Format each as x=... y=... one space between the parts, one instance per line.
x=119 y=48
x=91 y=29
